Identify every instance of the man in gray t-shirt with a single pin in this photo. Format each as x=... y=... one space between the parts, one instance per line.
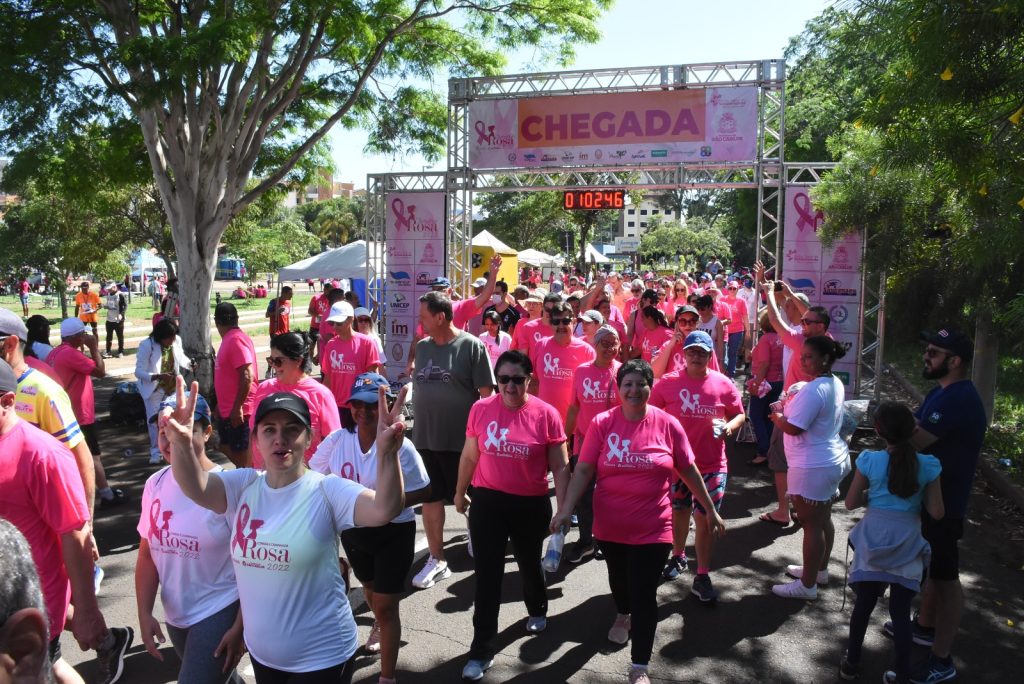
x=453 y=370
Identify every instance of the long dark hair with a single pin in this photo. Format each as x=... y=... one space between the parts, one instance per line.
x=657 y=315
x=294 y=345
x=895 y=423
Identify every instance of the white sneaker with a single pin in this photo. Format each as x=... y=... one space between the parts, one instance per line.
x=797 y=572
x=619 y=633
x=433 y=571
x=795 y=590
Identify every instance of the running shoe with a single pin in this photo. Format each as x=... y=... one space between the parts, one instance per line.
x=847 y=670
x=433 y=571
x=619 y=633
x=638 y=675
x=574 y=521
x=536 y=625
x=676 y=567
x=373 y=641
x=922 y=636
x=118 y=498
x=797 y=572
x=934 y=671
x=795 y=590
x=580 y=552
x=110 y=662
x=889 y=677
x=703 y=590
x=474 y=669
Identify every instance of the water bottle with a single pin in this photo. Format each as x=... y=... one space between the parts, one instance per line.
x=718 y=427
x=553 y=553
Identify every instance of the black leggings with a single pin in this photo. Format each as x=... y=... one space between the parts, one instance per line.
x=495 y=518
x=634 y=572
x=899 y=610
x=339 y=674
x=115 y=329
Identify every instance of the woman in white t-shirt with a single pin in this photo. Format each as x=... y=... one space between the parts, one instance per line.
x=494 y=338
x=183 y=551
x=818 y=460
x=380 y=556
x=285 y=523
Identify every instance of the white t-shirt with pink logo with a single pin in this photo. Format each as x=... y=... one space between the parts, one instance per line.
x=514 y=444
x=189 y=546
x=695 y=403
x=636 y=462
x=340 y=454
x=554 y=366
x=284 y=546
x=342 y=361
x=496 y=347
x=594 y=391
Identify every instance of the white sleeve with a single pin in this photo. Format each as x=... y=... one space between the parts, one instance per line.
x=321 y=460
x=179 y=354
x=341 y=495
x=805 y=406
x=147 y=498
x=235 y=481
x=413 y=470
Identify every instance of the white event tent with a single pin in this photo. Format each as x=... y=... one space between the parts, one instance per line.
x=343 y=262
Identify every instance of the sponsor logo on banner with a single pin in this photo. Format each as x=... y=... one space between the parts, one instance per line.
x=429 y=255
x=807 y=218
x=841 y=259
x=400 y=328
x=805 y=285
x=398 y=302
x=399 y=277
x=839 y=314
x=802 y=259
x=659 y=153
x=399 y=251
x=487 y=134
x=837 y=288
x=405 y=218
x=397 y=352
x=425 y=278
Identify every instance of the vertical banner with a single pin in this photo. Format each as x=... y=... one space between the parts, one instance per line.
x=829 y=276
x=414 y=255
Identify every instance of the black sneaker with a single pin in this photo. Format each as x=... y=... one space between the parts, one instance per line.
x=703 y=590
x=580 y=552
x=848 y=670
x=598 y=553
x=922 y=636
x=119 y=498
x=676 y=567
x=111 y=662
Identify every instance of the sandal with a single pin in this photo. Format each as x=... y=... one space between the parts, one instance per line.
x=766 y=517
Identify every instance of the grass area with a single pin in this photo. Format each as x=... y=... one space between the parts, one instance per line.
x=1005 y=437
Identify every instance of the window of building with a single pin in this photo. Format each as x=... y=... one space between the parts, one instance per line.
x=643 y=212
x=643 y=224
x=631 y=223
x=654 y=212
x=631 y=211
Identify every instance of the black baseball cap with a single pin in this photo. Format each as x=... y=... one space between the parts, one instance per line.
x=953 y=341
x=225 y=313
x=283 y=401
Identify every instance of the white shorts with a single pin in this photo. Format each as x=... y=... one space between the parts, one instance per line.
x=817 y=484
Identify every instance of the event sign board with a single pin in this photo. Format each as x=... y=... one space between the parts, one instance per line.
x=414 y=256
x=829 y=276
x=665 y=126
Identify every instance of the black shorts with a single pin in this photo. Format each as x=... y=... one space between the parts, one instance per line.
x=89 y=432
x=234 y=438
x=443 y=469
x=381 y=555
x=944 y=537
x=53 y=651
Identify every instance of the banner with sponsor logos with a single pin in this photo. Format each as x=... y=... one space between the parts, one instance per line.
x=829 y=276
x=671 y=126
x=414 y=256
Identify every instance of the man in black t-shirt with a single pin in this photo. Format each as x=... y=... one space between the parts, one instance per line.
x=505 y=308
x=951 y=426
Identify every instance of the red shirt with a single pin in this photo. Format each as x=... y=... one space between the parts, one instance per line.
x=280 y=316
x=74 y=369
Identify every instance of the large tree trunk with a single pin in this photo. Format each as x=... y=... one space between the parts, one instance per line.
x=196 y=267
x=986 y=359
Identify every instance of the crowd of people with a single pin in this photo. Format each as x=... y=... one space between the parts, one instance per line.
x=617 y=394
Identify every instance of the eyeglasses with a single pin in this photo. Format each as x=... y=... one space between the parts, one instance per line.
x=276 y=361
x=561 y=321
x=513 y=379
x=688 y=320
x=680 y=290
x=811 y=321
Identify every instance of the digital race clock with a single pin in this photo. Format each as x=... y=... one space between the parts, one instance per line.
x=589 y=200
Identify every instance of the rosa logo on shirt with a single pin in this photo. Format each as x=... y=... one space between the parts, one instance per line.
x=552 y=370
x=592 y=390
x=160 y=533
x=256 y=554
x=497 y=439
x=690 y=405
x=537 y=337
x=619 y=456
x=338 y=362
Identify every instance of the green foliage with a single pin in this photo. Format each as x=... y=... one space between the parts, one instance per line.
x=268 y=237
x=683 y=245
x=335 y=221
x=525 y=220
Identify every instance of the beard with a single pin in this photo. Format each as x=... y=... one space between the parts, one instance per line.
x=937 y=372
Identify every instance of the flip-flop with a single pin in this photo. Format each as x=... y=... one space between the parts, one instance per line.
x=764 y=517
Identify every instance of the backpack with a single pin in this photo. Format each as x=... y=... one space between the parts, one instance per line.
x=126 y=404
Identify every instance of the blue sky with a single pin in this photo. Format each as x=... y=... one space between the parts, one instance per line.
x=635 y=33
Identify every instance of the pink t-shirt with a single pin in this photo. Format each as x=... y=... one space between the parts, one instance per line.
x=514 y=444
x=236 y=351
x=722 y=309
x=630 y=306
x=41 y=494
x=594 y=391
x=323 y=411
x=44 y=368
x=695 y=403
x=462 y=311
x=317 y=306
x=528 y=334
x=636 y=462
x=74 y=369
x=737 y=314
x=323 y=308
x=768 y=350
x=794 y=373
x=342 y=361
x=650 y=342
x=554 y=366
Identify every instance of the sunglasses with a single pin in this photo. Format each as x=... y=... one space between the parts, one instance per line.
x=561 y=321
x=690 y=320
x=276 y=361
x=807 y=321
x=513 y=379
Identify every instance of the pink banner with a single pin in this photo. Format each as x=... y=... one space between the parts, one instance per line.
x=708 y=125
x=829 y=276
x=414 y=257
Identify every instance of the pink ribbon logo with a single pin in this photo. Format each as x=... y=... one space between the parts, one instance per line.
x=617 y=448
x=348 y=472
x=402 y=219
x=241 y=539
x=156 y=530
x=805 y=217
x=484 y=133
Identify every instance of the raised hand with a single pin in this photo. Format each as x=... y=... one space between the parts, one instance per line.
x=177 y=423
x=390 y=427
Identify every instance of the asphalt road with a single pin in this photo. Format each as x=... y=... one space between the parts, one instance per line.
x=749 y=636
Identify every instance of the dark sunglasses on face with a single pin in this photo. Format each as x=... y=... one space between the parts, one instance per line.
x=689 y=320
x=275 y=361
x=808 y=321
x=561 y=321
x=513 y=379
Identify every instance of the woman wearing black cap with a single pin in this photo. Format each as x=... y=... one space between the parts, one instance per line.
x=380 y=556
x=285 y=523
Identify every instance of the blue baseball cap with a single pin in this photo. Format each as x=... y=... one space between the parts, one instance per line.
x=699 y=338
x=441 y=281
x=202 y=408
x=365 y=388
